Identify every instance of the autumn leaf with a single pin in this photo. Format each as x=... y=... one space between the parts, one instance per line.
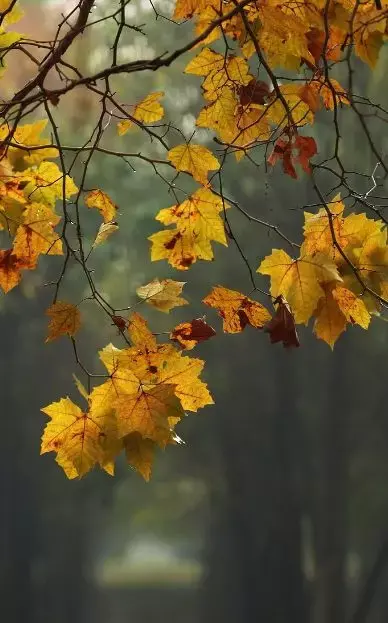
x=36 y=235
x=299 y=281
x=330 y=322
x=189 y=334
x=164 y=295
x=139 y=333
x=104 y=232
x=194 y=159
x=65 y=319
x=10 y=274
x=237 y=310
x=44 y=184
x=149 y=412
x=352 y=307
x=76 y=436
x=147 y=111
x=281 y=327
x=198 y=223
x=140 y=454
x=296 y=150
x=103 y=203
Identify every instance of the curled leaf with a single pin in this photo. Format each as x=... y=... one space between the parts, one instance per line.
x=163 y=295
x=281 y=327
x=104 y=232
x=189 y=334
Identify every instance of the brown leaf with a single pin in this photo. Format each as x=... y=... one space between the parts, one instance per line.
x=282 y=326
x=189 y=334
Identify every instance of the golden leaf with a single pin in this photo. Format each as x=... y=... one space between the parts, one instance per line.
x=36 y=235
x=352 y=307
x=194 y=159
x=198 y=223
x=76 y=436
x=164 y=294
x=10 y=275
x=65 y=319
x=299 y=281
x=45 y=184
x=330 y=321
x=104 y=232
x=140 y=454
x=103 y=203
x=147 y=111
x=237 y=310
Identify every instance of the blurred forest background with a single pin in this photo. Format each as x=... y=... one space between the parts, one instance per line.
x=276 y=509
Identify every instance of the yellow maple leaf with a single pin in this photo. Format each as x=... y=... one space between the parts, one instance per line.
x=147 y=111
x=352 y=307
x=194 y=159
x=149 y=412
x=45 y=184
x=184 y=9
x=183 y=372
x=140 y=454
x=330 y=321
x=27 y=135
x=65 y=319
x=10 y=275
x=198 y=223
x=103 y=203
x=318 y=233
x=12 y=10
x=237 y=310
x=206 y=62
x=36 y=235
x=299 y=281
x=164 y=294
x=139 y=332
x=291 y=109
x=76 y=436
x=180 y=249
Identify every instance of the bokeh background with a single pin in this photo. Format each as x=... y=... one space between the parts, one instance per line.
x=276 y=509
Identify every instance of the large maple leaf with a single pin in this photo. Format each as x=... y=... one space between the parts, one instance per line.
x=299 y=281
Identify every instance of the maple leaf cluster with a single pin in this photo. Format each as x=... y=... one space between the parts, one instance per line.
x=339 y=278
x=30 y=186
x=149 y=388
x=341 y=274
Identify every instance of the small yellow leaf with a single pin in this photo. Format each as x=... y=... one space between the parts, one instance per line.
x=104 y=232
x=352 y=307
x=65 y=320
x=194 y=159
x=101 y=201
x=164 y=294
x=147 y=111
